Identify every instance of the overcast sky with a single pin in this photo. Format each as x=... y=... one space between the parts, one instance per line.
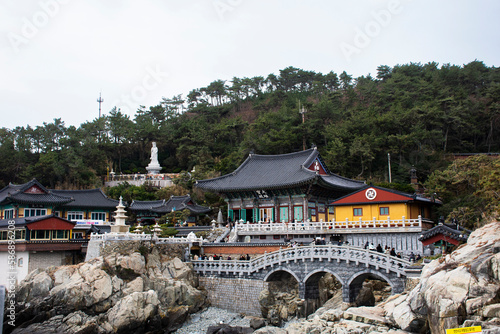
x=56 y=56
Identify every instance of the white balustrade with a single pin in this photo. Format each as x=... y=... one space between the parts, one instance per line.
x=331 y=225
x=380 y=261
x=113 y=236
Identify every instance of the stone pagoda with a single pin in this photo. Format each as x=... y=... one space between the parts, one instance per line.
x=120 y=226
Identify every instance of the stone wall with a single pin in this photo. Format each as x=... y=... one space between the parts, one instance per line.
x=98 y=248
x=240 y=248
x=237 y=295
x=402 y=242
x=43 y=260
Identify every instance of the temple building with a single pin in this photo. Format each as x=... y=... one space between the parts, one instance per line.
x=444 y=237
x=281 y=188
x=89 y=206
x=48 y=227
x=294 y=197
x=149 y=212
x=29 y=200
x=380 y=204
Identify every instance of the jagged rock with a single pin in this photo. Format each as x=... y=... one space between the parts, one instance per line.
x=456 y=287
x=108 y=295
x=226 y=329
x=365 y=296
x=133 y=311
x=270 y=330
x=491 y=311
x=367 y=315
x=257 y=323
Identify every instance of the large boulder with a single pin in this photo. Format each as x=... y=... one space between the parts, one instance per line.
x=456 y=288
x=109 y=294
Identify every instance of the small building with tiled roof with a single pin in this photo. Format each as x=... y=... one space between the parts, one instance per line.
x=280 y=188
x=28 y=200
x=149 y=212
x=372 y=202
x=444 y=236
x=40 y=242
x=88 y=206
x=49 y=227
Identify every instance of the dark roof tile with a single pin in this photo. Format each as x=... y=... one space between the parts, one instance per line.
x=91 y=198
x=277 y=171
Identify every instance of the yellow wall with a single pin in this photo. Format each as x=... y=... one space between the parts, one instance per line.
x=321 y=216
x=370 y=211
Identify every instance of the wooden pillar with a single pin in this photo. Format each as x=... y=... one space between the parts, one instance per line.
x=305 y=208
x=276 y=210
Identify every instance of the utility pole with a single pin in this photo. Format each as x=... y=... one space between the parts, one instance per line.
x=303 y=111
x=389 y=164
x=100 y=100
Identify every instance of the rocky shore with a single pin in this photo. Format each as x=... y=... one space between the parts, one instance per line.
x=137 y=288
x=134 y=289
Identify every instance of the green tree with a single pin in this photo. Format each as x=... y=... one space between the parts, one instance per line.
x=468 y=189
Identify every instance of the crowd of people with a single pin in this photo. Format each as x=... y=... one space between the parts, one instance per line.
x=391 y=251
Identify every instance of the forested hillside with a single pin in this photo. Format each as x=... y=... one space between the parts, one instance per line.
x=416 y=113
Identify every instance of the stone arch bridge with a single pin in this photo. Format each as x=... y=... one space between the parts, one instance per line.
x=350 y=266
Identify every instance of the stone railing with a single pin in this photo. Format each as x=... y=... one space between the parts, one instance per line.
x=329 y=253
x=144 y=237
x=331 y=225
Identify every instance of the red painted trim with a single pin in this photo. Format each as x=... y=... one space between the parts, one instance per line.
x=382 y=196
x=52 y=223
x=312 y=167
x=439 y=237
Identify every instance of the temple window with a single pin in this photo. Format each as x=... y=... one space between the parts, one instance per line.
x=34 y=212
x=9 y=213
x=75 y=215
x=98 y=216
x=384 y=211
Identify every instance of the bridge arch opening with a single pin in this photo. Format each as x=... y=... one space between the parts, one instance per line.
x=281 y=301
x=368 y=289
x=320 y=287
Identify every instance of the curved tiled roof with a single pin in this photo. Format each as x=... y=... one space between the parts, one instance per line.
x=94 y=198
x=459 y=234
x=146 y=205
x=175 y=202
x=181 y=203
x=277 y=171
x=17 y=194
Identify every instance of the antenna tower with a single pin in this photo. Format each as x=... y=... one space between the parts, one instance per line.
x=100 y=100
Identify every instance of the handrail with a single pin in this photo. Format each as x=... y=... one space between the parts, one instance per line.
x=303 y=253
x=330 y=225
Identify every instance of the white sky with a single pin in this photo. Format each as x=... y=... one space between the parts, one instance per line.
x=56 y=56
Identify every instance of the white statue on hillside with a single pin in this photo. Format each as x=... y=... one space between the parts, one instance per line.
x=154 y=165
x=154 y=155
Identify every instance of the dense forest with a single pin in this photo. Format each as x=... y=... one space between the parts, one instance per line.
x=419 y=114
